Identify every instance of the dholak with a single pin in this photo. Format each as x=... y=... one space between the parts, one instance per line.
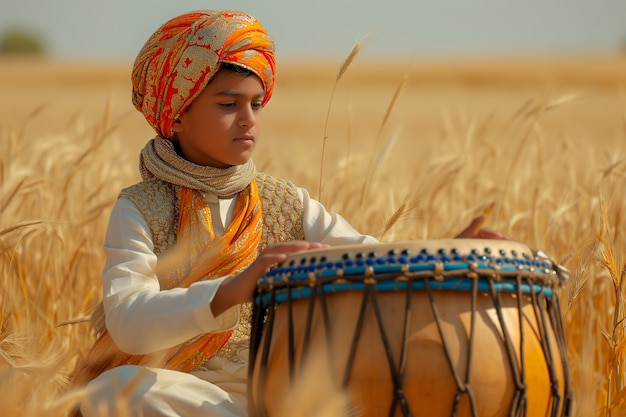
x=459 y=327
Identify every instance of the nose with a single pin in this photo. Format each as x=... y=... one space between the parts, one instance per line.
x=246 y=118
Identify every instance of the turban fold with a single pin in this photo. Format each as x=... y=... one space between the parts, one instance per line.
x=183 y=55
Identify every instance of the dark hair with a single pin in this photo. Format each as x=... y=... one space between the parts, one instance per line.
x=227 y=66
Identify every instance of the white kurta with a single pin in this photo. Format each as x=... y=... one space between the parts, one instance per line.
x=143 y=319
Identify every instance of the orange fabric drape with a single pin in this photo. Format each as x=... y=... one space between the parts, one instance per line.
x=207 y=256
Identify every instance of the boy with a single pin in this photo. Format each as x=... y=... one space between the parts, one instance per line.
x=186 y=245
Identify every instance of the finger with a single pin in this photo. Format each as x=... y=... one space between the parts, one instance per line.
x=293 y=246
x=278 y=253
x=491 y=234
x=474 y=227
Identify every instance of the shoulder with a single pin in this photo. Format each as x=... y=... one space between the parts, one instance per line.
x=275 y=191
x=149 y=186
x=269 y=184
x=153 y=197
x=157 y=202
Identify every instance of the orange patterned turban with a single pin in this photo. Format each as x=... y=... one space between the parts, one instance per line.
x=183 y=55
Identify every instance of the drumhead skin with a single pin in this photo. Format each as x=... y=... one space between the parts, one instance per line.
x=419 y=328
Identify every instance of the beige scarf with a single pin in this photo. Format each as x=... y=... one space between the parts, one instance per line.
x=159 y=159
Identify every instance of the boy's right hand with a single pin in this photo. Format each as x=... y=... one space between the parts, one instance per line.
x=278 y=253
x=239 y=288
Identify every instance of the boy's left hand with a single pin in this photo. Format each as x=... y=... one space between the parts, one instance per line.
x=475 y=230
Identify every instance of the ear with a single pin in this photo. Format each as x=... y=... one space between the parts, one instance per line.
x=177 y=127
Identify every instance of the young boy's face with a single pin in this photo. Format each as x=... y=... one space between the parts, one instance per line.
x=223 y=124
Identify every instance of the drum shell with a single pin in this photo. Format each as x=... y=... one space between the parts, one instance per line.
x=444 y=357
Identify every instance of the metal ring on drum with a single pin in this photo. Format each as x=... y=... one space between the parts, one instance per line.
x=455 y=327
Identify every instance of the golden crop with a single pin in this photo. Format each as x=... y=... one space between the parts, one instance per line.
x=403 y=150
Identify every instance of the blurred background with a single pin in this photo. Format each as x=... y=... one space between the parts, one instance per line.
x=328 y=28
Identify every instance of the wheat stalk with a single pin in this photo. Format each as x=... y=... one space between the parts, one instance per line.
x=378 y=159
x=342 y=70
x=395 y=217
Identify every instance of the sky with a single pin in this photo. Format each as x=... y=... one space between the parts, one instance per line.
x=109 y=29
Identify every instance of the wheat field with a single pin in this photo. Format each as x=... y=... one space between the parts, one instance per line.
x=405 y=150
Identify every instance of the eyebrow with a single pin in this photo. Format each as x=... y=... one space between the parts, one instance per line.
x=234 y=93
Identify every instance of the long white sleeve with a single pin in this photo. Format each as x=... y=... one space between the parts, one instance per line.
x=330 y=228
x=139 y=316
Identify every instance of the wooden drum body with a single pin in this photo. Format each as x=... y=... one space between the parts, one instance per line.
x=457 y=327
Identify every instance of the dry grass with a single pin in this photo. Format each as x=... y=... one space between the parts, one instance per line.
x=409 y=152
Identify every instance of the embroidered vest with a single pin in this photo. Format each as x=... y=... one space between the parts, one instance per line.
x=282 y=221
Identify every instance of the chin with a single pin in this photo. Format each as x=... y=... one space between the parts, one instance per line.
x=240 y=161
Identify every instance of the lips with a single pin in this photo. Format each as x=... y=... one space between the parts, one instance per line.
x=245 y=139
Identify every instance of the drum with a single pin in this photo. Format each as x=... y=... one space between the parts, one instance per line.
x=458 y=327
